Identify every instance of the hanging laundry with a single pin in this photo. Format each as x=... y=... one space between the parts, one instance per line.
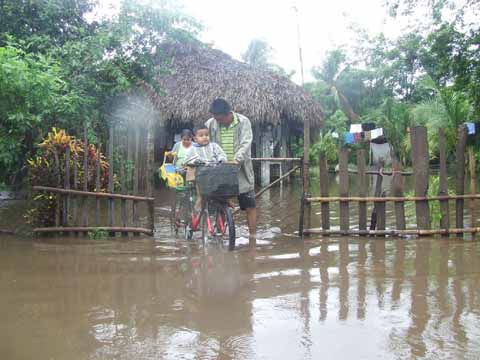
x=470 y=127
x=368 y=135
x=380 y=153
x=357 y=137
x=477 y=128
x=356 y=128
x=376 y=133
x=368 y=126
x=349 y=139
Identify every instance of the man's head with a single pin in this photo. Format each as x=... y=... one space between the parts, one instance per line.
x=221 y=111
x=202 y=136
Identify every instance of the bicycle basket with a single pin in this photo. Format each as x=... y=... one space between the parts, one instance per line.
x=220 y=180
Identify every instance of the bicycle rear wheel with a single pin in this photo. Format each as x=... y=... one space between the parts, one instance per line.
x=205 y=225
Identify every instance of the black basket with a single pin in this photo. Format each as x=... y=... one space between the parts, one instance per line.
x=219 y=180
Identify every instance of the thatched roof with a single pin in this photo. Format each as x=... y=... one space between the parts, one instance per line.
x=198 y=74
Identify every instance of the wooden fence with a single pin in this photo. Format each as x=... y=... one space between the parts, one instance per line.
x=421 y=198
x=72 y=202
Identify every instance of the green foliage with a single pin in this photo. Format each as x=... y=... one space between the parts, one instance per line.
x=58 y=69
x=47 y=168
x=32 y=94
x=97 y=234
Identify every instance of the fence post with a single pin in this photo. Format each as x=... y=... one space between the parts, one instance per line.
x=66 y=182
x=85 y=178
x=418 y=138
x=123 y=202
x=443 y=188
x=111 y=208
x=397 y=190
x=97 y=184
x=57 y=196
x=135 y=177
x=460 y=186
x=362 y=189
x=306 y=168
x=343 y=189
x=473 y=178
x=75 y=201
x=325 y=206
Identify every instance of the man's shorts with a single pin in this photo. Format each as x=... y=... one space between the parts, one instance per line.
x=247 y=200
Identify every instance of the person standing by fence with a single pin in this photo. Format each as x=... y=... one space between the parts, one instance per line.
x=233 y=132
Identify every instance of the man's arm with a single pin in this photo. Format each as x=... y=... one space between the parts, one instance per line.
x=219 y=153
x=245 y=142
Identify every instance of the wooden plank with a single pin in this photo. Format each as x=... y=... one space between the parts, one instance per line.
x=97 y=185
x=110 y=211
x=460 y=181
x=85 y=177
x=392 y=232
x=66 y=184
x=397 y=191
x=443 y=188
x=110 y=229
x=135 y=177
x=362 y=189
x=94 y=194
x=343 y=189
x=277 y=159
x=420 y=158
x=325 y=207
x=473 y=178
x=327 y=199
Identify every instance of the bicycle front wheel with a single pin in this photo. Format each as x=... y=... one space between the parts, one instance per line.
x=225 y=225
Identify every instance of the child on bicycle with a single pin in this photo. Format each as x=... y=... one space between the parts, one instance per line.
x=202 y=152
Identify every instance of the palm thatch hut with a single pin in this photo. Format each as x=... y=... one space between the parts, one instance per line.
x=197 y=74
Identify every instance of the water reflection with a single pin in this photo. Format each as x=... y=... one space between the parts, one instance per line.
x=340 y=298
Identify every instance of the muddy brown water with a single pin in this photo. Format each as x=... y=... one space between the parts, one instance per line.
x=165 y=298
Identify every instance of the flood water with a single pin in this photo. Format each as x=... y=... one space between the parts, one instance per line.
x=165 y=298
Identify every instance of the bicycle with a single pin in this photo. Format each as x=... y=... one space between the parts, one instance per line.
x=216 y=183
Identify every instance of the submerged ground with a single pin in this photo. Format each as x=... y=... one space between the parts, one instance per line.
x=165 y=298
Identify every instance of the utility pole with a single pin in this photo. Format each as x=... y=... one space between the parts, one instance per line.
x=299 y=43
x=305 y=213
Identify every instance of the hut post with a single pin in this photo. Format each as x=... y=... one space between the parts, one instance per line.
x=266 y=141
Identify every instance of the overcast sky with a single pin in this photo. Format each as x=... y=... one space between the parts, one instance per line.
x=231 y=25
